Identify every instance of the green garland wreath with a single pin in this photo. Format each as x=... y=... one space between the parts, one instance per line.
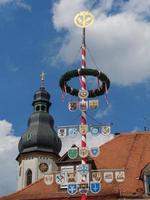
x=84 y=72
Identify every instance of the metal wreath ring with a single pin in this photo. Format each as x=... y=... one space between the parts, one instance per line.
x=85 y=72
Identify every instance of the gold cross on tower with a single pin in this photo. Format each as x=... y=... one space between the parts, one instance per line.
x=42 y=77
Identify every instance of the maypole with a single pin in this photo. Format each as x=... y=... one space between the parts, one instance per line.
x=83 y=113
x=83 y=178
x=82 y=20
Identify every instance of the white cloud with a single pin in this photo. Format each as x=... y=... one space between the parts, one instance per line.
x=120 y=42
x=16 y=3
x=101 y=114
x=8 y=153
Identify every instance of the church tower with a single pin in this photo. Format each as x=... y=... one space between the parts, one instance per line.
x=39 y=146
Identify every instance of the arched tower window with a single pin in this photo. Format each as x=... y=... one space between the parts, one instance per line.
x=28 y=177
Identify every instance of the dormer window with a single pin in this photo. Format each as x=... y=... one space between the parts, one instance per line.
x=148 y=184
x=145 y=177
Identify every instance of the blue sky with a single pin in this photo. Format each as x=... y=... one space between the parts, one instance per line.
x=40 y=36
x=29 y=42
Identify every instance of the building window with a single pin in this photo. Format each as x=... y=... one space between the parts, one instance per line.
x=43 y=108
x=20 y=171
x=28 y=177
x=148 y=184
x=37 y=108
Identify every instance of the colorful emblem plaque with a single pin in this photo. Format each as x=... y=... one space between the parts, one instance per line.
x=60 y=178
x=72 y=106
x=95 y=131
x=72 y=188
x=83 y=105
x=71 y=177
x=72 y=132
x=96 y=176
x=83 y=94
x=83 y=152
x=106 y=130
x=48 y=179
x=93 y=104
x=120 y=176
x=95 y=187
x=83 y=169
x=62 y=132
x=83 y=188
x=73 y=152
x=108 y=177
x=83 y=129
x=94 y=151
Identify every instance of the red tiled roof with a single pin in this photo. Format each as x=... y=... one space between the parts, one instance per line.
x=127 y=151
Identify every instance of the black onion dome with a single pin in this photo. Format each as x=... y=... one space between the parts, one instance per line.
x=40 y=134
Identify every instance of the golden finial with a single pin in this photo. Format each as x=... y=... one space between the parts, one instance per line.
x=84 y=19
x=42 y=77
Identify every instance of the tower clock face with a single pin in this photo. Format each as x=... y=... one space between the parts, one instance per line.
x=43 y=167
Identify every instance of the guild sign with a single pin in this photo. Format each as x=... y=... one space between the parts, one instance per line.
x=62 y=132
x=93 y=104
x=94 y=131
x=73 y=152
x=83 y=105
x=97 y=176
x=72 y=132
x=94 y=151
x=95 y=186
x=48 y=179
x=72 y=188
x=108 y=177
x=83 y=188
x=71 y=177
x=120 y=176
x=106 y=130
x=72 y=106
x=83 y=152
x=83 y=94
x=83 y=169
x=60 y=178
x=83 y=129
